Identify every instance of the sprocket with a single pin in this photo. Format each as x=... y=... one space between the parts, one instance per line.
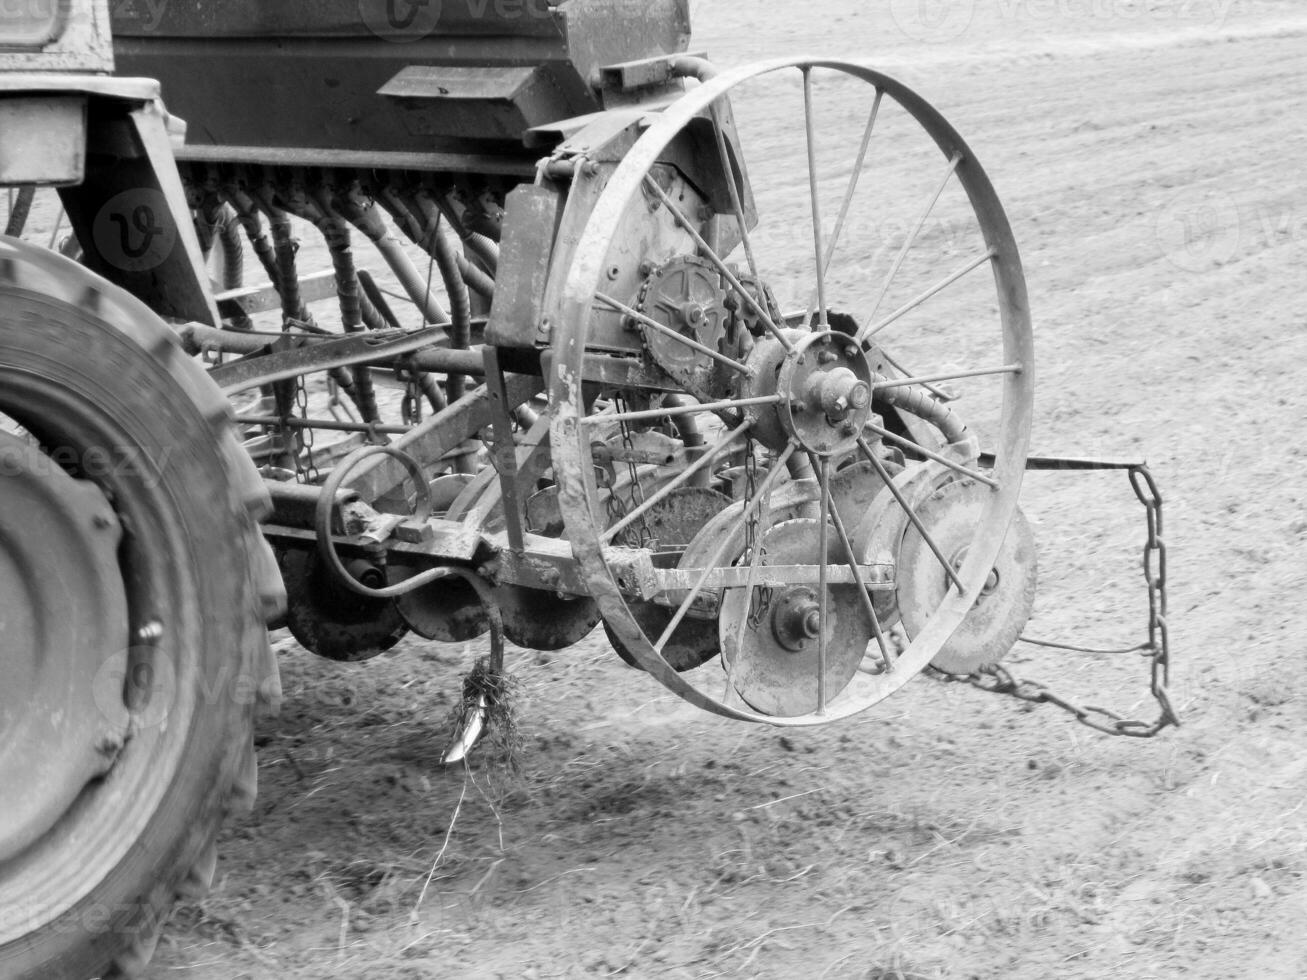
x=687 y=297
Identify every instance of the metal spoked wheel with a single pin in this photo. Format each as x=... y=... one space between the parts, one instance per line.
x=824 y=329
x=134 y=585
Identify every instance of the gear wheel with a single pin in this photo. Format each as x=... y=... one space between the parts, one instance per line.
x=687 y=297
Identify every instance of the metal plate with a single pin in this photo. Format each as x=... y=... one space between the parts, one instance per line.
x=674 y=523
x=772 y=672
x=330 y=620
x=1000 y=614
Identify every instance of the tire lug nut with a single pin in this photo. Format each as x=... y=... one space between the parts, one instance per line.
x=151 y=632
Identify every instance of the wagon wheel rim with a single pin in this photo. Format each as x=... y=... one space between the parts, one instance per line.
x=583 y=294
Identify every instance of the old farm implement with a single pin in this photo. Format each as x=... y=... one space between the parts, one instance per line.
x=737 y=364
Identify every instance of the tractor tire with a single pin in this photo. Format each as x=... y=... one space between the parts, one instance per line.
x=107 y=427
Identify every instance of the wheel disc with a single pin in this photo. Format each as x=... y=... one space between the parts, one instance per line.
x=772 y=637
x=58 y=539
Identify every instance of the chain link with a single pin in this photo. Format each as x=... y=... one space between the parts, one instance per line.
x=761 y=597
x=997 y=679
x=307 y=470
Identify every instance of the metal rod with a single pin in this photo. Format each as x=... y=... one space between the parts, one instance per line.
x=931 y=454
x=823 y=556
x=951 y=376
x=778 y=467
x=729 y=171
x=661 y=413
x=818 y=246
x=939 y=393
x=912 y=515
x=939 y=287
x=848 y=194
x=912 y=238
x=672 y=334
x=851 y=559
x=716 y=260
x=334 y=426
x=682 y=478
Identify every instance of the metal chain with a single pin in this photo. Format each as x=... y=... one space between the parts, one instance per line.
x=308 y=470
x=760 y=600
x=999 y=680
x=640 y=534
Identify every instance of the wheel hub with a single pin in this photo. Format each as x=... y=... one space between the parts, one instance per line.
x=63 y=613
x=824 y=386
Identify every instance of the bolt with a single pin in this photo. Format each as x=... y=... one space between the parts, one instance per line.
x=801 y=359
x=860 y=396
x=151 y=632
x=826 y=357
x=841 y=404
x=109 y=744
x=546 y=326
x=102 y=522
x=851 y=351
x=614 y=271
x=812 y=622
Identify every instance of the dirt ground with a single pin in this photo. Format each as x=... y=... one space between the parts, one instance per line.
x=1151 y=158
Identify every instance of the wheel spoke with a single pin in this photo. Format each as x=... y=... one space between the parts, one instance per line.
x=823 y=556
x=668 y=332
x=849 y=192
x=682 y=478
x=716 y=260
x=931 y=454
x=818 y=246
x=851 y=559
x=729 y=172
x=778 y=467
x=755 y=559
x=939 y=393
x=872 y=329
x=912 y=237
x=947 y=376
x=912 y=514
x=672 y=410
